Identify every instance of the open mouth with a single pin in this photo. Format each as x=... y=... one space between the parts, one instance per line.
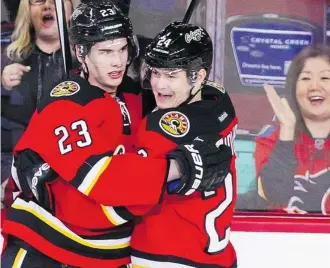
x=316 y=100
x=48 y=20
x=116 y=74
x=163 y=97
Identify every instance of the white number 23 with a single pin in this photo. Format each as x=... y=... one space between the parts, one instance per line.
x=82 y=129
x=107 y=12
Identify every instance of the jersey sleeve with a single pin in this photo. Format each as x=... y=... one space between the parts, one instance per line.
x=265 y=143
x=80 y=142
x=275 y=166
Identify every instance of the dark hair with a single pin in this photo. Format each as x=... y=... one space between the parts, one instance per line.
x=314 y=51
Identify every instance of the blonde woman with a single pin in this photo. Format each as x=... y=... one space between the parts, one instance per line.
x=35 y=31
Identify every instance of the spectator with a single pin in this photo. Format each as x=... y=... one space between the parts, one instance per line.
x=293 y=162
x=32 y=63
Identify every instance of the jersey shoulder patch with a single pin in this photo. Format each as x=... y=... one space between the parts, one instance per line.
x=75 y=89
x=183 y=124
x=65 y=88
x=175 y=124
x=215 y=85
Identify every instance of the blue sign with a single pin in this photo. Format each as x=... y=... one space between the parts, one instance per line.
x=5 y=37
x=264 y=55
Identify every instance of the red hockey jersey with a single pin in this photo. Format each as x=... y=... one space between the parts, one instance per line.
x=77 y=131
x=188 y=231
x=297 y=177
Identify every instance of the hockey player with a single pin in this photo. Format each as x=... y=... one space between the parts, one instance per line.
x=127 y=95
x=190 y=231
x=79 y=130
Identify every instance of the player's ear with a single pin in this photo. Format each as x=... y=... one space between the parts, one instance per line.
x=201 y=75
x=80 y=53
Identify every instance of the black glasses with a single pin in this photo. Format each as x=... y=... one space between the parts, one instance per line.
x=40 y=2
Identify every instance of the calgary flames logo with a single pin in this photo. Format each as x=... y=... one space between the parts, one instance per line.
x=175 y=124
x=66 y=88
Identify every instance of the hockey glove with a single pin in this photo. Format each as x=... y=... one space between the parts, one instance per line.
x=203 y=166
x=35 y=177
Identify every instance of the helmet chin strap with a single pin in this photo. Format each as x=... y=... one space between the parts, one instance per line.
x=86 y=73
x=81 y=53
x=193 y=79
x=191 y=96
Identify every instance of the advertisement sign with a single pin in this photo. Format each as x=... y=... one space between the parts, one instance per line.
x=263 y=54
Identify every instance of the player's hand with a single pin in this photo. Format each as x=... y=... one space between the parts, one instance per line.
x=283 y=112
x=12 y=75
x=203 y=165
x=35 y=177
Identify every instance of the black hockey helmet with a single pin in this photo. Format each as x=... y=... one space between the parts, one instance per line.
x=95 y=22
x=180 y=46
